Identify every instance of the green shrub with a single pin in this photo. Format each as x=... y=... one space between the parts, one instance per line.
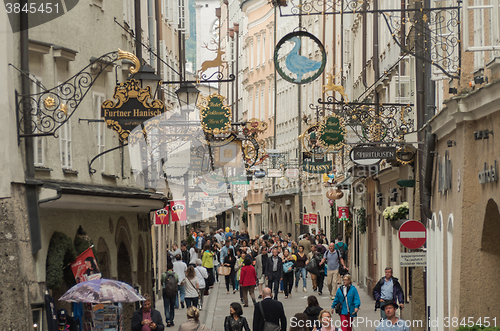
x=61 y=252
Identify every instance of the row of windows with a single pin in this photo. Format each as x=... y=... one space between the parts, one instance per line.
x=65 y=135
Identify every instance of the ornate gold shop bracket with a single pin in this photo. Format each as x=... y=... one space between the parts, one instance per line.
x=42 y=114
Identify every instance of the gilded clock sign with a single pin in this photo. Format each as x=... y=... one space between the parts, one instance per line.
x=214 y=115
x=133 y=107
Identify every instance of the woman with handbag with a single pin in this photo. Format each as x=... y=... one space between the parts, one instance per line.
x=288 y=266
x=346 y=303
x=235 y=322
x=192 y=287
x=230 y=261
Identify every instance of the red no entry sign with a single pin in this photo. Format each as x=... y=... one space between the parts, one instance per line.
x=412 y=234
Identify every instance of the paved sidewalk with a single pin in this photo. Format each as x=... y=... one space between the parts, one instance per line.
x=216 y=307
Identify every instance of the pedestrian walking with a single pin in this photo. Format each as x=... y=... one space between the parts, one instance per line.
x=216 y=260
x=310 y=257
x=180 y=269
x=348 y=296
x=170 y=282
x=306 y=243
x=208 y=262
x=288 y=270
x=342 y=248
x=192 y=287
x=193 y=255
x=391 y=322
x=299 y=322
x=322 y=273
x=235 y=322
x=146 y=317
x=201 y=275
x=388 y=289
x=248 y=280
x=312 y=311
x=270 y=311
x=230 y=261
x=193 y=321
x=300 y=269
x=326 y=322
x=333 y=260
x=274 y=272
x=260 y=268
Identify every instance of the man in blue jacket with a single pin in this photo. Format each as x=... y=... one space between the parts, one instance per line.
x=388 y=289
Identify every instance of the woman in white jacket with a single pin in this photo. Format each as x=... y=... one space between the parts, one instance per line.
x=201 y=274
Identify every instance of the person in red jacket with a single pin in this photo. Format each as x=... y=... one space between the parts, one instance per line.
x=248 y=279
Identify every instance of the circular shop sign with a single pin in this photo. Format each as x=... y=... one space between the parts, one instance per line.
x=363 y=161
x=294 y=67
x=259 y=174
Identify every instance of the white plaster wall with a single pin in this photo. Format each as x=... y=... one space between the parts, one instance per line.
x=10 y=155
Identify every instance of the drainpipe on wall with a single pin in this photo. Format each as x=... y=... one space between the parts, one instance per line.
x=151 y=31
x=31 y=183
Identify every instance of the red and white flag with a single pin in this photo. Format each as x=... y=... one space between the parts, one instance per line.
x=179 y=212
x=85 y=267
x=161 y=216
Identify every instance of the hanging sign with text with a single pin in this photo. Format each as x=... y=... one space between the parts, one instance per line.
x=331 y=132
x=369 y=152
x=214 y=115
x=133 y=107
x=318 y=167
x=313 y=219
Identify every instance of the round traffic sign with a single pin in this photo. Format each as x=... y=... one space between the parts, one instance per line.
x=412 y=234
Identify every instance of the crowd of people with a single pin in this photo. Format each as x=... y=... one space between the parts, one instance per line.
x=270 y=264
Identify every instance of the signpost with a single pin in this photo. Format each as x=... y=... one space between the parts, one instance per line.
x=412 y=234
x=414 y=259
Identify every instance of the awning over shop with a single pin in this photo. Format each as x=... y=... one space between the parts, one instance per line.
x=64 y=195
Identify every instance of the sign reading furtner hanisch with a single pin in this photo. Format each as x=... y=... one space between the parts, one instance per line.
x=133 y=107
x=368 y=152
x=215 y=116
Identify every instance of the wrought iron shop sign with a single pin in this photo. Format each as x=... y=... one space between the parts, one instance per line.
x=366 y=152
x=215 y=116
x=331 y=132
x=132 y=108
x=317 y=167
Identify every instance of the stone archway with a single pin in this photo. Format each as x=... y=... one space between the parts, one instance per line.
x=489 y=264
x=103 y=257
x=124 y=274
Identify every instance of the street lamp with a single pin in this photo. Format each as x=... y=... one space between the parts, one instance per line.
x=148 y=77
x=187 y=94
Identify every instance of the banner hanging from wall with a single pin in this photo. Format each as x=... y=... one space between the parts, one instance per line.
x=313 y=219
x=161 y=216
x=178 y=210
x=343 y=213
x=85 y=267
x=306 y=219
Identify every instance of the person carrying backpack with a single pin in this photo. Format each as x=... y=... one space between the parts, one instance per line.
x=169 y=281
x=342 y=248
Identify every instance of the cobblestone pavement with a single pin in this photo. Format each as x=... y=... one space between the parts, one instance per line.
x=216 y=307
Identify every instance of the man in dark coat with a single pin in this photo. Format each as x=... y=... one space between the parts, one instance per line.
x=273 y=312
x=147 y=316
x=274 y=272
x=388 y=289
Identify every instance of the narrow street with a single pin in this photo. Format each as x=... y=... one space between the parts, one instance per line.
x=216 y=307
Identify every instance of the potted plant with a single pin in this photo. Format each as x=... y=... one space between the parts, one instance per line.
x=397 y=214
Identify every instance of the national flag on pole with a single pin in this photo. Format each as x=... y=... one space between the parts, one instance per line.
x=161 y=216
x=179 y=212
x=85 y=267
